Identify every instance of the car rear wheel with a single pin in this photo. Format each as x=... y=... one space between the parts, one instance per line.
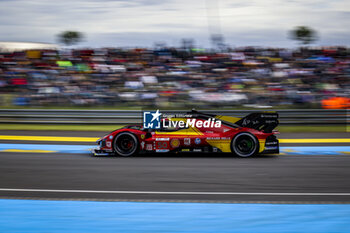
x=125 y=144
x=244 y=145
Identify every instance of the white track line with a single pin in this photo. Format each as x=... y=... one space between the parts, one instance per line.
x=169 y=193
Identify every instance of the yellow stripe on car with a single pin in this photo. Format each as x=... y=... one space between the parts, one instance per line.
x=182 y=132
x=223 y=145
x=262 y=145
x=197 y=130
x=228 y=118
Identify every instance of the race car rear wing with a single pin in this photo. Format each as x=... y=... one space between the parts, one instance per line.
x=262 y=121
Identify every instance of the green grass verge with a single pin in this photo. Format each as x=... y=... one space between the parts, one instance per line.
x=283 y=128
x=312 y=128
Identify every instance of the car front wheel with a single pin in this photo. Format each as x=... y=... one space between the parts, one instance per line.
x=125 y=144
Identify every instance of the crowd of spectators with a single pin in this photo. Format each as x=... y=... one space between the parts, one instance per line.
x=178 y=78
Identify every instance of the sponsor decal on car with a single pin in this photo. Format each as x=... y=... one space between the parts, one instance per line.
x=187 y=141
x=142 y=145
x=269 y=116
x=247 y=121
x=142 y=136
x=197 y=141
x=162 y=145
x=271 y=143
x=174 y=143
x=218 y=138
x=162 y=139
x=163 y=150
x=149 y=147
x=109 y=144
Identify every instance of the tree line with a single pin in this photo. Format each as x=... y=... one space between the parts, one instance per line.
x=305 y=35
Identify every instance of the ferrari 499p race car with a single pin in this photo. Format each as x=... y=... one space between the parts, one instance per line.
x=197 y=132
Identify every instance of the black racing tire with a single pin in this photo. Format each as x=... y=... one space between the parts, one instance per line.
x=125 y=144
x=245 y=145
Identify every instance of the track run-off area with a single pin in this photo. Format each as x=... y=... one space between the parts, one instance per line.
x=52 y=178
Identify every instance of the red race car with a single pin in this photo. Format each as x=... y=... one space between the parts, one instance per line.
x=195 y=132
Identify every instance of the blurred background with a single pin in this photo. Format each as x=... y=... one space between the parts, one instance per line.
x=72 y=71
x=176 y=77
x=210 y=55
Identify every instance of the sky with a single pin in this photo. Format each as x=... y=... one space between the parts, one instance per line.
x=141 y=23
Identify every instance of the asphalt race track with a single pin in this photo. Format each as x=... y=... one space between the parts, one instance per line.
x=197 y=178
